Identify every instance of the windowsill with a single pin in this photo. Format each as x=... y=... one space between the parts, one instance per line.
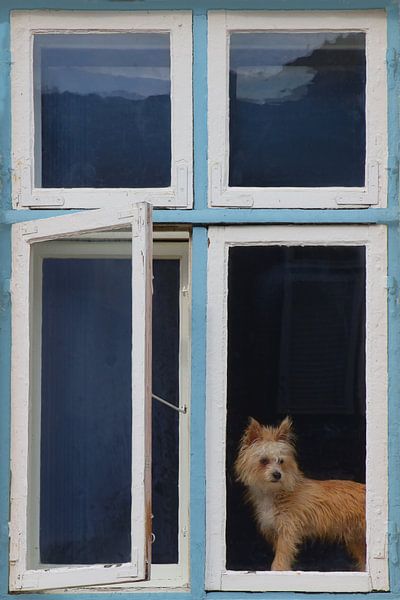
x=295 y=581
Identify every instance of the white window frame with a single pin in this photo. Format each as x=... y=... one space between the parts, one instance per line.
x=25 y=572
x=116 y=245
x=373 y=238
x=24 y=25
x=221 y=24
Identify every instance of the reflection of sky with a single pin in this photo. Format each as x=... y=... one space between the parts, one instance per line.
x=129 y=65
x=261 y=62
x=133 y=82
x=273 y=83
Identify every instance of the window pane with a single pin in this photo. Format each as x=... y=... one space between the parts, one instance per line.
x=296 y=326
x=86 y=411
x=102 y=105
x=165 y=420
x=297 y=109
x=85 y=488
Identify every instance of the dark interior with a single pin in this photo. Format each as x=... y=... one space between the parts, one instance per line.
x=85 y=479
x=296 y=322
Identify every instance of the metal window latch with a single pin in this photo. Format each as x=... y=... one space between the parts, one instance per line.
x=181 y=409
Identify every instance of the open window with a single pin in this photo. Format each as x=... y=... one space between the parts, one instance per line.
x=297 y=109
x=102 y=108
x=297 y=327
x=81 y=404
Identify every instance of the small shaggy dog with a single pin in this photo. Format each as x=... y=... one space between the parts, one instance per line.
x=290 y=508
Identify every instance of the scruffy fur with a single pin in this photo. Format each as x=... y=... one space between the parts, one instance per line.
x=290 y=508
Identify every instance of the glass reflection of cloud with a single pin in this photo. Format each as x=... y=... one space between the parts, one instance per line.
x=131 y=82
x=129 y=65
x=273 y=84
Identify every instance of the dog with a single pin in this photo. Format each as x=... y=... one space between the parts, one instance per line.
x=290 y=508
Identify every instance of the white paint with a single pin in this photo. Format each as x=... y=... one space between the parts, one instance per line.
x=26 y=166
x=294 y=581
x=221 y=24
x=25 y=572
x=373 y=237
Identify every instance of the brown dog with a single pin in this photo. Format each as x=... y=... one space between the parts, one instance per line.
x=290 y=508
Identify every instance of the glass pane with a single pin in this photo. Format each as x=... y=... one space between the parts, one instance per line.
x=296 y=327
x=85 y=476
x=297 y=109
x=86 y=411
x=102 y=105
x=165 y=420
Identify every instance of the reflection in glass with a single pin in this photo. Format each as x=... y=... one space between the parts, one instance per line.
x=102 y=105
x=297 y=109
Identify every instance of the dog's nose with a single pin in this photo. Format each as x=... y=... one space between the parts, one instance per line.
x=276 y=475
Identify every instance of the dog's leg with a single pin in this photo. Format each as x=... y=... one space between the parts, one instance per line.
x=357 y=549
x=286 y=547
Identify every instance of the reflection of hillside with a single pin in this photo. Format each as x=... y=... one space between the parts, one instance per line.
x=96 y=141
x=329 y=54
x=313 y=138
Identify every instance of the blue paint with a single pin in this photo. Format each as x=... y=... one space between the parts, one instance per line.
x=394 y=404
x=393 y=58
x=222 y=216
x=200 y=217
x=197 y=451
x=133 y=5
x=393 y=299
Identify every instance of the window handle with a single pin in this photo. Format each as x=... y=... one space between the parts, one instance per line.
x=180 y=409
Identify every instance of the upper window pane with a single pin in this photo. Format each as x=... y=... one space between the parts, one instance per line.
x=103 y=110
x=297 y=109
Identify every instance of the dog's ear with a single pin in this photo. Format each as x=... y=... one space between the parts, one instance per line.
x=253 y=432
x=284 y=431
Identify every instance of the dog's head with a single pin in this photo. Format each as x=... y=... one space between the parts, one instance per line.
x=266 y=457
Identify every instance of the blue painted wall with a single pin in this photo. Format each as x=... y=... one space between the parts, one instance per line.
x=200 y=217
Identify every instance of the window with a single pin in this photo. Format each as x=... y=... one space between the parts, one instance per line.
x=107 y=101
x=297 y=112
x=86 y=521
x=289 y=319
x=131 y=396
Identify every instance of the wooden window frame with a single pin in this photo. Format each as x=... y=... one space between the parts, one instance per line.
x=167 y=245
x=373 y=24
x=25 y=572
x=373 y=238
x=24 y=25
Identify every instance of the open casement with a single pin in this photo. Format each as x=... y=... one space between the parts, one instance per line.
x=26 y=570
x=222 y=240
x=369 y=190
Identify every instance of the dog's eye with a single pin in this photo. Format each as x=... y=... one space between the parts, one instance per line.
x=280 y=461
x=264 y=461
